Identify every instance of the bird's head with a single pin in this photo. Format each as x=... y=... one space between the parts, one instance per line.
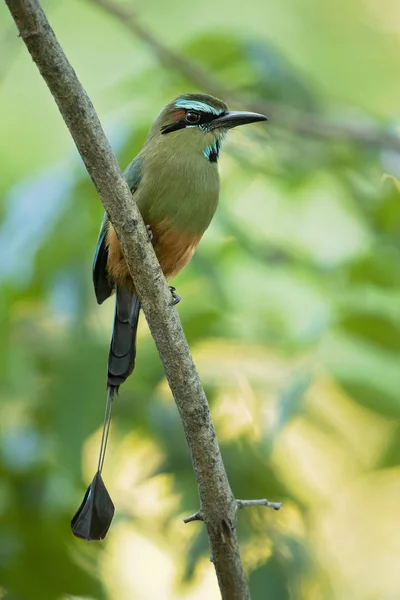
x=200 y=122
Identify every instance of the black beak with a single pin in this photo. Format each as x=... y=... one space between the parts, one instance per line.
x=233 y=119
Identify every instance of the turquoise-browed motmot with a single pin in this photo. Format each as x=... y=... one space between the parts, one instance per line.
x=175 y=183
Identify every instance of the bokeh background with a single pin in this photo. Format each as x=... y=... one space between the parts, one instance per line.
x=291 y=306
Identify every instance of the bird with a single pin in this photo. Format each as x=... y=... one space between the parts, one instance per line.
x=175 y=183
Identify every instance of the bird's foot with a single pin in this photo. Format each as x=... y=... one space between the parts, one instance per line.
x=176 y=298
x=149 y=232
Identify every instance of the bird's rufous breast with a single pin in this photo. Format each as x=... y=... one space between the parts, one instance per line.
x=173 y=248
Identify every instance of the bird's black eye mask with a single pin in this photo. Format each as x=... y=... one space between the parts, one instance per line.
x=192 y=118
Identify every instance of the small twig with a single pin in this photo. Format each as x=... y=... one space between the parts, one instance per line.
x=261 y=502
x=197 y=516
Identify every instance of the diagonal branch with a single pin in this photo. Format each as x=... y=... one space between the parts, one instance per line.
x=166 y=56
x=300 y=122
x=218 y=506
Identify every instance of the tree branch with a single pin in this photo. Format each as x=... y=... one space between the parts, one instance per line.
x=262 y=502
x=300 y=122
x=218 y=505
x=198 y=516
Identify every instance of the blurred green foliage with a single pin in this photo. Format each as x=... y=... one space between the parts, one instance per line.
x=291 y=306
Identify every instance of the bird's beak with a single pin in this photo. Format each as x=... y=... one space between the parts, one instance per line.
x=233 y=119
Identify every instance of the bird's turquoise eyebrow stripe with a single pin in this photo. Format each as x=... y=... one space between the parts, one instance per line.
x=196 y=105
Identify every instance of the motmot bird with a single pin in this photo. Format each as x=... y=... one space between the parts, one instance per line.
x=175 y=182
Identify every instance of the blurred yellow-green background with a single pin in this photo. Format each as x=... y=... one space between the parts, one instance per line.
x=291 y=307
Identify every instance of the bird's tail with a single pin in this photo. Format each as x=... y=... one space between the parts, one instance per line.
x=94 y=516
x=121 y=358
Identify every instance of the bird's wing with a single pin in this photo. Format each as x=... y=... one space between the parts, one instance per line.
x=103 y=287
x=133 y=173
